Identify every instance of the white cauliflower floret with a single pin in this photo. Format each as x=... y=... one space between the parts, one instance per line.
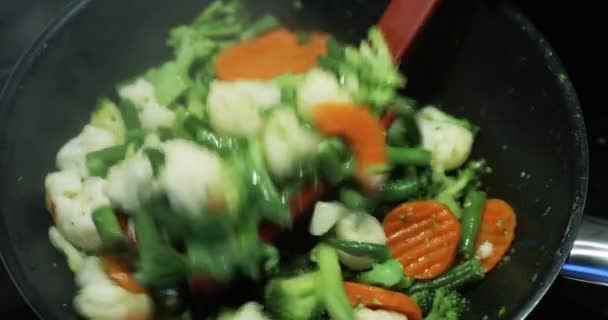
x=72 y=156
x=485 y=250
x=130 y=182
x=234 y=107
x=448 y=140
x=152 y=115
x=71 y=202
x=195 y=178
x=74 y=256
x=318 y=87
x=359 y=226
x=99 y=298
x=287 y=143
x=325 y=217
x=248 y=311
x=369 y=314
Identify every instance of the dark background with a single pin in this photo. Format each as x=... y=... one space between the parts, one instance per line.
x=574 y=30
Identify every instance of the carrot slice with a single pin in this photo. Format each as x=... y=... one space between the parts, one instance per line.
x=363 y=132
x=498 y=222
x=116 y=268
x=380 y=298
x=423 y=236
x=270 y=55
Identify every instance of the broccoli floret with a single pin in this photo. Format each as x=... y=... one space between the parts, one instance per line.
x=424 y=299
x=367 y=72
x=450 y=189
x=296 y=298
x=447 y=305
x=386 y=274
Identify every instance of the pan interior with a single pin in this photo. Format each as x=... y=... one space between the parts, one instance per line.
x=483 y=63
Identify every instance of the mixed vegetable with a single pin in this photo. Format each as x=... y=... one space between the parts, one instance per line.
x=282 y=170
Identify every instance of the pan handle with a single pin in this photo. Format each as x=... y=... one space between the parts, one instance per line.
x=588 y=261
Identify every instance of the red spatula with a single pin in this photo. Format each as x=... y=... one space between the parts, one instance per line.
x=401 y=22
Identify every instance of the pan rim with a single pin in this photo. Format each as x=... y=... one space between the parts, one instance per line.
x=25 y=62
x=581 y=165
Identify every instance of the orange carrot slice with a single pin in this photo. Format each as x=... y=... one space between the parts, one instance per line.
x=118 y=270
x=270 y=55
x=379 y=298
x=423 y=236
x=363 y=132
x=498 y=222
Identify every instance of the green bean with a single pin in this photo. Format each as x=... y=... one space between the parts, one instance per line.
x=398 y=190
x=271 y=204
x=353 y=199
x=335 y=160
x=129 y=115
x=156 y=157
x=260 y=26
x=471 y=220
x=461 y=275
x=109 y=229
x=409 y=156
x=98 y=162
x=331 y=285
x=377 y=252
x=160 y=265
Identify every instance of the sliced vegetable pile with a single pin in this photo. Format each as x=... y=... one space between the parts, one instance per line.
x=193 y=183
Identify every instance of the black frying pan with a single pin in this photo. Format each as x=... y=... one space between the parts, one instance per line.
x=483 y=61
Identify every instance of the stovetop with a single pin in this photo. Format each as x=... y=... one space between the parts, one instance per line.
x=568 y=27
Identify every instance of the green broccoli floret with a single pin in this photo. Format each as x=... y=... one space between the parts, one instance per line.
x=296 y=298
x=450 y=189
x=388 y=274
x=223 y=23
x=368 y=72
x=447 y=305
x=424 y=299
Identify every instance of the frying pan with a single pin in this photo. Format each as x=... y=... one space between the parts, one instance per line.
x=476 y=59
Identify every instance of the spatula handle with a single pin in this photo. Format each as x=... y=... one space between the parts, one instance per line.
x=402 y=21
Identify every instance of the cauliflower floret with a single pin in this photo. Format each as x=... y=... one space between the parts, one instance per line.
x=248 y=311
x=152 y=115
x=130 y=182
x=286 y=143
x=234 y=107
x=318 y=87
x=369 y=314
x=485 y=250
x=71 y=202
x=449 y=142
x=195 y=178
x=99 y=298
x=359 y=226
x=325 y=216
x=72 y=156
x=74 y=256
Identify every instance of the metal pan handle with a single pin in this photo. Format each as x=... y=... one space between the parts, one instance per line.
x=588 y=261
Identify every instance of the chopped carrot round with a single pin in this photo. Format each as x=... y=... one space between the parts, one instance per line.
x=380 y=298
x=270 y=55
x=423 y=236
x=498 y=222
x=363 y=132
x=116 y=268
